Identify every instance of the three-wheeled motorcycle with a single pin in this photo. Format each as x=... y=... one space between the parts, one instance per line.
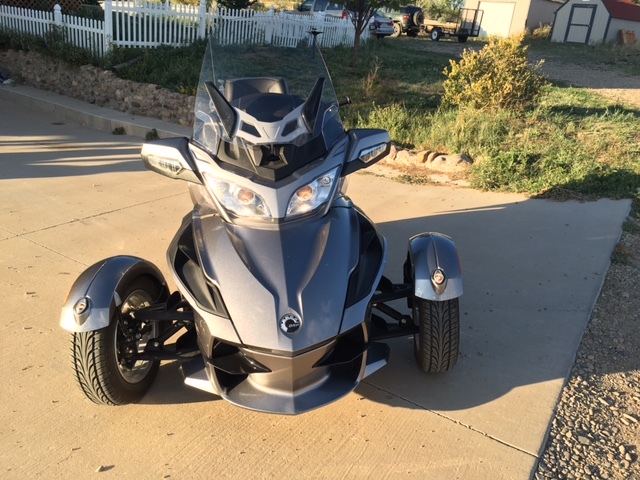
x=282 y=305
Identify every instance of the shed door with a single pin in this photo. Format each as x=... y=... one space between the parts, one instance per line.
x=580 y=23
x=496 y=19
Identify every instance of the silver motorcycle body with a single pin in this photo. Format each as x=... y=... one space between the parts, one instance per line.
x=282 y=303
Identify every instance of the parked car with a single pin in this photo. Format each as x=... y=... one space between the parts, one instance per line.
x=381 y=26
x=317 y=6
x=408 y=20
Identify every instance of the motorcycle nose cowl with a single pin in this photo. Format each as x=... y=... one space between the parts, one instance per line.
x=284 y=288
x=294 y=384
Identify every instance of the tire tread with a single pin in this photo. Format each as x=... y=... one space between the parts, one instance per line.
x=89 y=365
x=439 y=334
x=94 y=360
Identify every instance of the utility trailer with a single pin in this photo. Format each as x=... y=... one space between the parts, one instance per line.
x=467 y=25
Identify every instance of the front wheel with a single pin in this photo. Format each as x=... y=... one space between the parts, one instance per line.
x=436 y=344
x=105 y=361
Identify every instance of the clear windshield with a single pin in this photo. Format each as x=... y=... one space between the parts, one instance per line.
x=255 y=99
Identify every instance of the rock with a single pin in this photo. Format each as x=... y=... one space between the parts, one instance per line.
x=405 y=157
x=584 y=440
x=94 y=85
x=604 y=402
x=431 y=157
x=453 y=162
x=393 y=151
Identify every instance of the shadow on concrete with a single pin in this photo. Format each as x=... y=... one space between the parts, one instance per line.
x=532 y=272
x=52 y=156
x=169 y=389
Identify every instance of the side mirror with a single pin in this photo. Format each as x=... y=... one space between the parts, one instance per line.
x=170 y=157
x=367 y=146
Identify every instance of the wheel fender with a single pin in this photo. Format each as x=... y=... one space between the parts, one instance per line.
x=96 y=293
x=430 y=253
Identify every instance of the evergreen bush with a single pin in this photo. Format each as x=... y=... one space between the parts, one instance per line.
x=496 y=77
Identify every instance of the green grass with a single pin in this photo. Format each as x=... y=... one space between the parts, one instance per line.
x=573 y=144
x=177 y=69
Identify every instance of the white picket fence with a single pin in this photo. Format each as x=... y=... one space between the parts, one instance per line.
x=135 y=23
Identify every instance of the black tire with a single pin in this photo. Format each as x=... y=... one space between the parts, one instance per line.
x=397 y=30
x=436 y=345
x=436 y=34
x=418 y=18
x=96 y=359
x=462 y=38
x=412 y=33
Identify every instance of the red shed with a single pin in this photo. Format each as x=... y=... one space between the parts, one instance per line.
x=595 y=21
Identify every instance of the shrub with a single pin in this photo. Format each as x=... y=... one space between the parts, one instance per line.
x=21 y=41
x=496 y=77
x=543 y=32
x=58 y=46
x=151 y=135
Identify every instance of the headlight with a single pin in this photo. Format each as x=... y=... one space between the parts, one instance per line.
x=308 y=198
x=240 y=201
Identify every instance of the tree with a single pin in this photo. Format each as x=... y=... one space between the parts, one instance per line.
x=443 y=10
x=236 y=4
x=360 y=13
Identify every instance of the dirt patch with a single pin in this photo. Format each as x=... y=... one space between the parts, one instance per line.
x=619 y=87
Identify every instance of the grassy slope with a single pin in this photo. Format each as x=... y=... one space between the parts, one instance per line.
x=573 y=143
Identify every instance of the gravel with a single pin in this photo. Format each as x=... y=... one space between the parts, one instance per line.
x=595 y=432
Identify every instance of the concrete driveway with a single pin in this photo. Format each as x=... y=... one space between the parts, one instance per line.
x=70 y=196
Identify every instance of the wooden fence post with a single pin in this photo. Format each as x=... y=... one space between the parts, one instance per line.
x=268 y=31
x=202 y=19
x=57 y=15
x=107 y=35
